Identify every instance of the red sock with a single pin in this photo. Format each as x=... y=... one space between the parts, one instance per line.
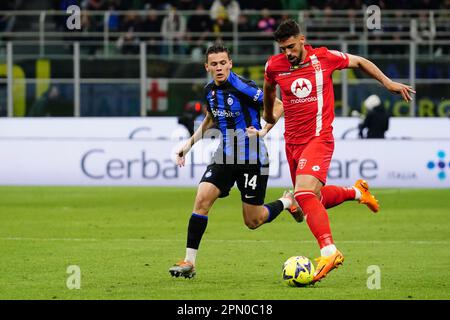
x=334 y=195
x=316 y=216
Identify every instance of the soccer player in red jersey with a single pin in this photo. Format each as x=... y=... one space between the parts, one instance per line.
x=304 y=76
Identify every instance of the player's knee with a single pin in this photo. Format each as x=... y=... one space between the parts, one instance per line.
x=202 y=204
x=304 y=196
x=254 y=223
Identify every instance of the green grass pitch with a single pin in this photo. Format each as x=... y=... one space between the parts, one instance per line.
x=124 y=239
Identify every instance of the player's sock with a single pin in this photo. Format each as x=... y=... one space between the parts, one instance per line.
x=196 y=228
x=274 y=209
x=357 y=193
x=332 y=196
x=328 y=250
x=316 y=216
x=286 y=203
x=191 y=254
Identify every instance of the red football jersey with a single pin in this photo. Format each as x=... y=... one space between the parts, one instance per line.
x=307 y=91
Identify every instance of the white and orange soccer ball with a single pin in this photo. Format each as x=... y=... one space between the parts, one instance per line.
x=298 y=271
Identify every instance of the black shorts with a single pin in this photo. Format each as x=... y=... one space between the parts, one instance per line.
x=250 y=179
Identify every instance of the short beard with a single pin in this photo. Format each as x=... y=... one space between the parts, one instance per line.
x=296 y=62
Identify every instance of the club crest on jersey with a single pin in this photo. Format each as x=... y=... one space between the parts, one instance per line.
x=302 y=163
x=301 y=87
x=230 y=101
x=317 y=66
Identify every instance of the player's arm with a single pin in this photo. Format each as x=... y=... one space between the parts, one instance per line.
x=206 y=124
x=357 y=62
x=270 y=94
x=277 y=113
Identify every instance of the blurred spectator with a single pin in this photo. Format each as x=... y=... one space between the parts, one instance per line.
x=423 y=27
x=185 y=4
x=294 y=4
x=201 y=24
x=376 y=121
x=443 y=27
x=193 y=114
x=114 y=17
x=173 y=31
x=230 y=8
x=266 y=24
x=246 y=28
x=222 y=26
x=48 y=104
x=94 y=4
x=260 y=4
x=152 y=24
x=317 y=5
x=397 y=29
x=200 y=117
x=424 y=4
x=128 y=43
x=96 y=19
x=129 y=21
x=7 y=21
x=154 y=4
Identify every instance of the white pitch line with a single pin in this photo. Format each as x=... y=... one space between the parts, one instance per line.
x=425 y=242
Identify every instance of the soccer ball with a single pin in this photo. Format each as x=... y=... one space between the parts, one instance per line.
x=298 y=271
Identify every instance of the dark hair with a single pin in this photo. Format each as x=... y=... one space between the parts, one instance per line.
x=217 y=47
x=286 y=29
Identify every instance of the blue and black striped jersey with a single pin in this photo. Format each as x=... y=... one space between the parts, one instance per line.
x=235 y=105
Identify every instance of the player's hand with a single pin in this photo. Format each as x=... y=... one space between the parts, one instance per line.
x=181 y=157
x=253 y=132
x=400 y=88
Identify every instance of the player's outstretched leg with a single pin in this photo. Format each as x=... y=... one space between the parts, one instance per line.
x=332 y=196
x=286 y=202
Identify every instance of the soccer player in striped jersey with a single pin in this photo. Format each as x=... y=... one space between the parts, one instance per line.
x=233 y=105
x=303 y=74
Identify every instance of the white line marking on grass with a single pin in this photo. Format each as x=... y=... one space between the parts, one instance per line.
x=424 y=242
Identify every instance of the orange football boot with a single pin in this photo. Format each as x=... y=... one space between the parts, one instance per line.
x=326 y=264
x=182 y=268
x=366 y=197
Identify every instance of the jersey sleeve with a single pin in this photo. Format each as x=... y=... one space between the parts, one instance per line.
x=268 y=74
x=337 y=60
x=251 y=90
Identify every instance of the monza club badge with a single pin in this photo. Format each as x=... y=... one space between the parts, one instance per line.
x=316 y=65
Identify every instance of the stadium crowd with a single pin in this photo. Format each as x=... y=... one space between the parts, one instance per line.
x=213 y=19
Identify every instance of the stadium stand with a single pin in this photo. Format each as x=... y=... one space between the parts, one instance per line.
x=412 y=34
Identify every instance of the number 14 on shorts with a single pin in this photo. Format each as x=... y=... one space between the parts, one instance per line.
x=251 y=182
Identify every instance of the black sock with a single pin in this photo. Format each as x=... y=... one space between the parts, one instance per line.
x=275 y=209
x=196 y=228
